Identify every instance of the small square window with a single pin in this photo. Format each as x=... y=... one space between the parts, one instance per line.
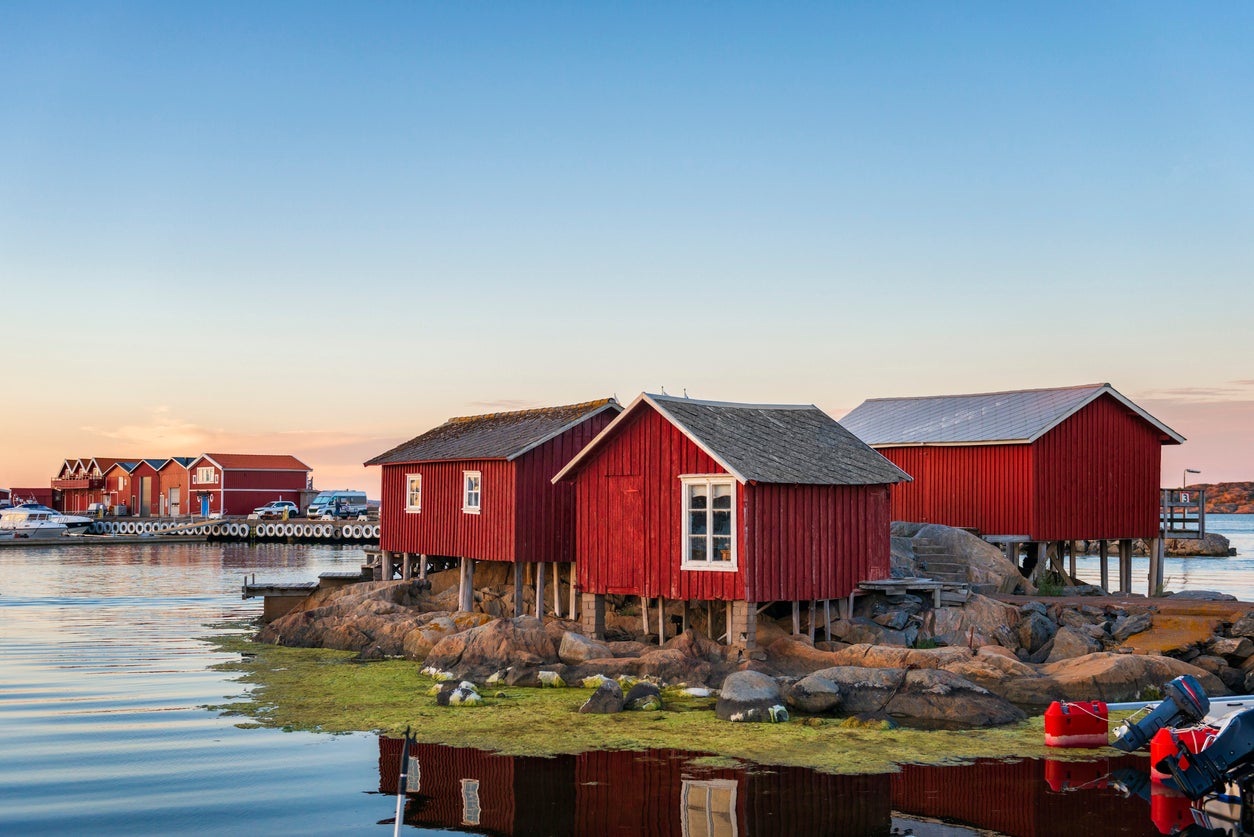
x=413 y=492
x=472 y=494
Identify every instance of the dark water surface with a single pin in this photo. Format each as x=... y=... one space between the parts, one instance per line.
x=102 y=680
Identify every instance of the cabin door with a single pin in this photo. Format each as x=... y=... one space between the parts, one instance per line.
x=145 y=496
x=174 y=501
x=626 y=535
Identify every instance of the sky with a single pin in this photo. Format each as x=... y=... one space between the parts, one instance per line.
x=323 y=228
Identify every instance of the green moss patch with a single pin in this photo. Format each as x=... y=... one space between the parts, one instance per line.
x=331 y=691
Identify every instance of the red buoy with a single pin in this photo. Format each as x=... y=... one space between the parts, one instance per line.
x=1164 y=743
x=1077 y=724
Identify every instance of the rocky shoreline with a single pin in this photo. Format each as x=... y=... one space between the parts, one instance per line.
x=982 y=662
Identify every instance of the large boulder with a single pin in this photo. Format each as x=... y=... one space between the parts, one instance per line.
x=371 y=617
x=1071 y=642
x=750 y=696
x=606 y=700
x=815 y=695
x=1212 y=544
x=1035 y=630
x=920 y=694
x=577 y=648
x=501 y=644
x=980 y=621
x=987 y=568
x=1105 y=676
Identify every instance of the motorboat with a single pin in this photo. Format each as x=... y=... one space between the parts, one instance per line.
x=75 y=524
x=31 y=523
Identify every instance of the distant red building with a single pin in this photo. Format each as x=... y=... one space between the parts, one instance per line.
x=1074 y=463
x=174 y=483
x=118 y=491
x=236 y=483
x=478 y=487
x=81 y=482
x=689 y=500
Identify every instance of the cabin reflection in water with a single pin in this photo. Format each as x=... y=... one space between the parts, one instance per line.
x=662 y=793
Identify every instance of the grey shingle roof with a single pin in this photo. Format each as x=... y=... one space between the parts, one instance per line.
x=793 y=444
x=493 y=436
x=1019 y=416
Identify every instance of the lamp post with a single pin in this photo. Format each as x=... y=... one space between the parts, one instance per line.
x=1184 y=479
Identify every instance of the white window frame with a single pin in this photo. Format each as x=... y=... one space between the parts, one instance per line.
x=696 y=797
x=206 y=475
x=709 y=481
x=410 y=505
x=469 y=494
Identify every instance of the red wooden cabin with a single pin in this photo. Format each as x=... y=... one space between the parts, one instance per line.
x=1034 y=466
x=174 y=482
x=146 y=500
x=1075 y=463
x=236 y=483
x=118 y=489
x=81 y=482
x=478 y=488
x=741 y=503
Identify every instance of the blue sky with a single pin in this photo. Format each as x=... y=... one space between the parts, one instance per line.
x=323 y=228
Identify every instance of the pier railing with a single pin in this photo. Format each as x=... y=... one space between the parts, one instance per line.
x=1182 y=513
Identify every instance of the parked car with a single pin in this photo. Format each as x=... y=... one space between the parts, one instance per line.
x=277 y=510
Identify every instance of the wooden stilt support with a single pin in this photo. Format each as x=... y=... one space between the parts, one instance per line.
x=540 y=590
x=827 y=619
x=812 y=620
x=1071 y=557
x=557 y=590
x=644 y=612
x=1103 y=552
x=466 y=585
x=709 y=620
x=1155 y=567
x=519 y=598
x=661 y=620
x=796 y=618
x=729 y=614
x=407 y=568
x=574 y=612
x=1125 y=565
x=684 y=624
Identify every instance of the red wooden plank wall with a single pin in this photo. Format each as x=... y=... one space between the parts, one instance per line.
x=545 y=522
x=814 y=541
x=984 y=487
x=1097 y=475
x=630 y=513
x=442 y=528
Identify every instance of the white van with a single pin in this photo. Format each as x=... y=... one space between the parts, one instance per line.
x=337 y=503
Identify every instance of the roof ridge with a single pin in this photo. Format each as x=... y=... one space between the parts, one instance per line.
x=584 y=405
x=990 y=394
x=683 y=399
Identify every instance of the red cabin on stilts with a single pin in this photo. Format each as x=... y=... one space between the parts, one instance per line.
x=479 y=488
x=742 y=504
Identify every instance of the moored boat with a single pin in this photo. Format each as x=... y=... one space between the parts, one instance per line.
x=74 y=524
x=31 y=523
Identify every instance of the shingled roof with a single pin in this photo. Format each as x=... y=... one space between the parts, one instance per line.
x=493 y=436
x=771 y=443
x=1015 y=417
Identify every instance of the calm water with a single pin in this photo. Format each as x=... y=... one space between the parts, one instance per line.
x=103 y=680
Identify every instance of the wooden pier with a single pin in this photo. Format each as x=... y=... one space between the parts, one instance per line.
x=279 y=598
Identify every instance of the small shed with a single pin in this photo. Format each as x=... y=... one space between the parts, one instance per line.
x=737 y=504
x=237 y=483
x=479 y=488
x=1036 y=466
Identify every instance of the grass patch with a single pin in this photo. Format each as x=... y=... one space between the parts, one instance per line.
x=330 y=691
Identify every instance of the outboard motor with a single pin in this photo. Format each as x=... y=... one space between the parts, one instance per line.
x=1229 y=758
x=1184 y=702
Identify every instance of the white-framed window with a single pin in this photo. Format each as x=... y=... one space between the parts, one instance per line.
x=472 y=491
x=471 y=810
x=709 y=523
x=121 y=483
x=413 y=492
x=205 y=474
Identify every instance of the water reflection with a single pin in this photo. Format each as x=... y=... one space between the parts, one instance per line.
x=664 y=793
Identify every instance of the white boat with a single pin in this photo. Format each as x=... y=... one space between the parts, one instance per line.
x=30 y=523
x=74 y=524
